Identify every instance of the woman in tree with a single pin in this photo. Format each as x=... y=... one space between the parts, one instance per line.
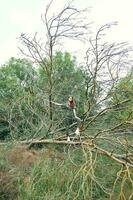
x=70 y=116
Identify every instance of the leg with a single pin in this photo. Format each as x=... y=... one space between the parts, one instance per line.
x=77 y=132
x=67 y=134
x=67 y=128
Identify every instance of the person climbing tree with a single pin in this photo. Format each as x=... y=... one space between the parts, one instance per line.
x=70 y=116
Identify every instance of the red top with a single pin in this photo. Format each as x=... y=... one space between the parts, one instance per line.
x=71 y=104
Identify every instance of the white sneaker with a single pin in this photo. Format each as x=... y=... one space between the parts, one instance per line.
x=77 y=132
x=68 y=139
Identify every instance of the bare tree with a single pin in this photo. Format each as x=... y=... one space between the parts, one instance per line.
x=104 y=65
x=68 y=23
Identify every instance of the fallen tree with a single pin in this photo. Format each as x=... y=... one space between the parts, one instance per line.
x=124 y=159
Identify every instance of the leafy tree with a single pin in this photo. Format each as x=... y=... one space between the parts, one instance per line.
x=68 y=79
x=123 y=92
x=24 y=93
x=16 y=78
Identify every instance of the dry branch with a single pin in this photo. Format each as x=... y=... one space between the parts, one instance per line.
x=120 y=158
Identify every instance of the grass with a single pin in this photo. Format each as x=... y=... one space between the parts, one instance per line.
x=60 y=174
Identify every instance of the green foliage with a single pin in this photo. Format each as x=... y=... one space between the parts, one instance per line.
x=24 y=102
x=12 y=76
x=16 y=79
x=122 y=92
x=24 y=96
x=75 y=172
x=68 y=79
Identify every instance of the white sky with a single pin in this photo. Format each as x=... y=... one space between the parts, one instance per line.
x=17 y=16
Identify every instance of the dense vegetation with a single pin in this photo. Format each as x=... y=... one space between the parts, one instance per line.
x=99 y=165
x=54 y=171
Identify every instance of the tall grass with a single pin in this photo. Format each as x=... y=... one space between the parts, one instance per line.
x=60 y=174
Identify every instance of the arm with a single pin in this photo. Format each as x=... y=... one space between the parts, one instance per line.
x=55 y=103
x=60 y=104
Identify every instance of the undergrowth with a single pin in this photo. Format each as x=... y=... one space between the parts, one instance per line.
x=66 y=173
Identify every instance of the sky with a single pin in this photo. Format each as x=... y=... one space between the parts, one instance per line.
x=24 y=16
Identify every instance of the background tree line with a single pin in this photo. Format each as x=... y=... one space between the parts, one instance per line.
x=24 y=97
